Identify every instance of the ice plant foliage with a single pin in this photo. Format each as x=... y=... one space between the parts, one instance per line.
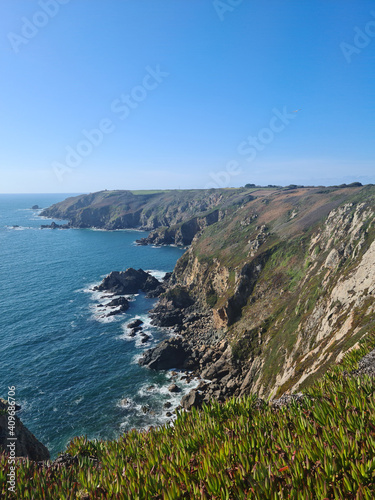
x=322 y=448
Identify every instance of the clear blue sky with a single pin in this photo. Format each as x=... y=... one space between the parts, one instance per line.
x=188 y=93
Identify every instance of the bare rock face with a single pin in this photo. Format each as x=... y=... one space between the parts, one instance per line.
x=333 y=259
x=25 y=443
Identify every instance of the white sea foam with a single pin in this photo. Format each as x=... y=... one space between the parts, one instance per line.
x=21 y=228
x=129 y=404
x=159 y=275
x=135 y=359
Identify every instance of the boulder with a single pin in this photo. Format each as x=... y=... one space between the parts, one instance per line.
x=170 y=353
x=133 y=331
x=174 y=388
x=194 y=398
x=35 y=207
x=135 y=324
x=119 y=301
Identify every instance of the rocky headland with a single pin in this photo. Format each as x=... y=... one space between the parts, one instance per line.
x=276 y=285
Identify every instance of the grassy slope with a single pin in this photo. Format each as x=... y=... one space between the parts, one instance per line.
x=322 y=448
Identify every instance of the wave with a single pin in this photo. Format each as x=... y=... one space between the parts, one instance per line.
x=159 y=275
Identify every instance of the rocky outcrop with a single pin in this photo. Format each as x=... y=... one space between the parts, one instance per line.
x=25 y=443
x=128 y=282
x=170 y=353
x=53 y=225
x=181 y=234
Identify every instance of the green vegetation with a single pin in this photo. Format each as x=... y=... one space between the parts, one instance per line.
x=149 y=191
x=323 y=447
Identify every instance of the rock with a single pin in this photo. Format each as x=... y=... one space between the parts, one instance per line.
x=170 y=353
x=35 y=207
x=132 y=333
x=136 y=329
x=194 y=398
x=128 y=282
x=4 y=405
x=146 y=409
x=366 y=365
x=53 y=225
x=167 y=404
x=145 y=338
x=174 y=388
x=135 y=324
x=217 y=370
x=119 y=301
x=167 y=319
x=168 y=414
x=333 y=259
x=26 y=444
x=150 y=387
x=287 y=399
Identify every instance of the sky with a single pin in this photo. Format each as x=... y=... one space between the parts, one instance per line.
x=164 y=94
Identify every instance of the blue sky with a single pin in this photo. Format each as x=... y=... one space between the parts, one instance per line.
x=140 y=94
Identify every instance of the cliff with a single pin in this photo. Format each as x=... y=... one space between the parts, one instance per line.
x=173 y=216
x=23 y=443
x=281 y=289
x=276 y=286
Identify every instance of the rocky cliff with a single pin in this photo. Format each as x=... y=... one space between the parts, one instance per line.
x=23 y=442
x=172 y=216
x=276 y=286
x=278 y=291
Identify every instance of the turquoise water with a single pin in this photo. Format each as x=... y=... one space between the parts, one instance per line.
x=72 y=368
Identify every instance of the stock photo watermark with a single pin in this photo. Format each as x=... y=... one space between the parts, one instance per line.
x=31 y=26
x=12 y=439
x=121 y=108
x=252 y=146
x=361 y=39
x=223 y=7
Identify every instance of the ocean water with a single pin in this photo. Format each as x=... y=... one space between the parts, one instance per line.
x=75 y=372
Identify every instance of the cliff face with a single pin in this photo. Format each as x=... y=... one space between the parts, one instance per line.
x=288 y=280
x=173 y=216
x=25 y=444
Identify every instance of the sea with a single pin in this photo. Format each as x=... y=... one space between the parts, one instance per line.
x=75 y=370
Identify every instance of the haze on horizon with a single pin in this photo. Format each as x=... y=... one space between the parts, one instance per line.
x=178 y=94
